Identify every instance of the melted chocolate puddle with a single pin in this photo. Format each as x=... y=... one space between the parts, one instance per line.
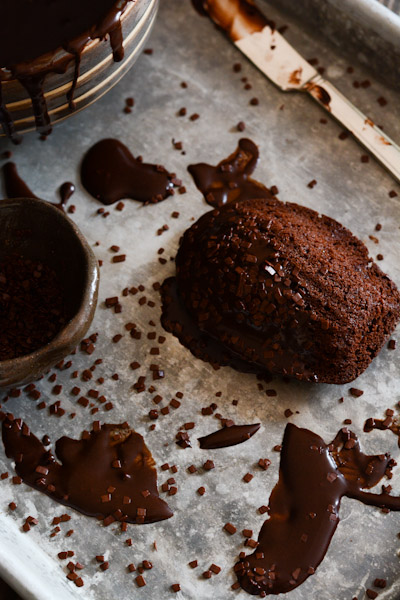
x=109 y=173
x=17 y=188
x=230 y=180
x=389 y=423
x=228 y=436
x=29 y=46
x=14 y=184
x=304 y=507
x=109 y=473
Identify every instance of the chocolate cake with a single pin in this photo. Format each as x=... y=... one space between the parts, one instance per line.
x=42 y=37
x=264 y=285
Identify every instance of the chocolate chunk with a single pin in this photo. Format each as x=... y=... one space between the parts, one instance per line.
x=228 y=436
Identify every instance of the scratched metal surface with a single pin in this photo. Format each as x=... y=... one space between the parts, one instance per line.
x=295 y=148
x=363 y=29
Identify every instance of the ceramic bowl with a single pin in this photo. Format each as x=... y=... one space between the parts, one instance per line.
x=50 y=236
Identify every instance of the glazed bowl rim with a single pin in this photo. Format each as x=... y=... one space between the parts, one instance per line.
x=89 y=288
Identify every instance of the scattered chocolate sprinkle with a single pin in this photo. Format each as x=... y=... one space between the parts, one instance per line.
x=230 y=528
x=140 y=581
x=208 y=465
x=215 y=569
x=356 y=392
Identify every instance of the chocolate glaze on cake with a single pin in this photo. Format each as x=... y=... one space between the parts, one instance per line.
x=281 y=288
x=304 y=507
x=33 y=35
x=109 y=173
x=109 y=473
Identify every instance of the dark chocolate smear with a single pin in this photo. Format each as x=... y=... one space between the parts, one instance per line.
x=109 y=173
x=109 y=473
x=230 y=180
x=319 y=93
x=304 y=507
x=228 y=436
x=237 y=18
x=14 y=184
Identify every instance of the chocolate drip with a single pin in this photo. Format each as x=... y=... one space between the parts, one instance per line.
x=66 y=190
x=116 y=41
x=6 y=120
x=109 y=473
x=34 y=87
x=304 y=507
x=109 y=173
x=15 y=186
x=383 y=425
x=228 y=436
x=230 y=180
x=31 y=46
x=71 y=92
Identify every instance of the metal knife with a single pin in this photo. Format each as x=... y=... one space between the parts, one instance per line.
x=260 y=42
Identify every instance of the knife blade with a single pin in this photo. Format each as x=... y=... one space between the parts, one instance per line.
x=258 y=39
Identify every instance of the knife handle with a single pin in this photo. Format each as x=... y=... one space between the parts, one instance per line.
x=363 y=129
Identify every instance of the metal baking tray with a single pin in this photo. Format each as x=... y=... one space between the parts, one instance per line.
x=295 y=148
x=364 y=29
